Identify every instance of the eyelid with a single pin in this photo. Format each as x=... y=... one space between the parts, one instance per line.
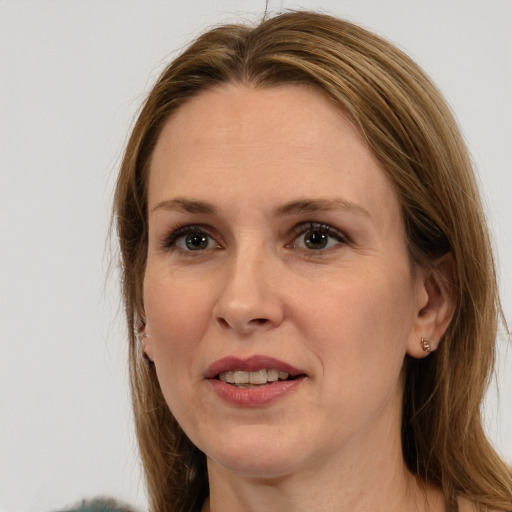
x=168 y=240
x=304 y=227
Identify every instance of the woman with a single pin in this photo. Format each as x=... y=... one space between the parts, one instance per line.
x=309 y=285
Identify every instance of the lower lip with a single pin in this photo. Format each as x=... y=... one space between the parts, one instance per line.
x=257 y=396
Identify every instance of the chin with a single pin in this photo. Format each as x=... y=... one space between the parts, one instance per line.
x=265 y=468
x=256 y=453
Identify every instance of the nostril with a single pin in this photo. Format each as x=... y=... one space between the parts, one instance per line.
x=223 y=323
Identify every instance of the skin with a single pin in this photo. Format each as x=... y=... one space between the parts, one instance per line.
x=346 y=314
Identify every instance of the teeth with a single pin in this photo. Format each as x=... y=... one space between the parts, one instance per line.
x=258 y=377
x=228 y=377
x=272 y=375
x=241 y=377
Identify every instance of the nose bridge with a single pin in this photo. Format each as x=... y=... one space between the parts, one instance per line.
x=248 y=297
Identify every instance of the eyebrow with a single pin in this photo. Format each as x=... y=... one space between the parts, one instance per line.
x=321 y=205
x=186 y=205
x=293 y=207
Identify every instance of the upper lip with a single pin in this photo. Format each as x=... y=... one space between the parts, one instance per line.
x=250 y=364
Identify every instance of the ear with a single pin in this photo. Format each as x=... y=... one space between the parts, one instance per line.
x=147 y=344
x=436 y=301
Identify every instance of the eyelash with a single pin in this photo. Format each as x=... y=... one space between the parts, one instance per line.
x=325 y=229
x=169 y=241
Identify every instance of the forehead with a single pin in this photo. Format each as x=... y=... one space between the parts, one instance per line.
x=272 y=142
x=240 y=112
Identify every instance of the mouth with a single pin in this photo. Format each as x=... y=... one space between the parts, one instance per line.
x=255 y=382
x=254 y=379
x=255 y=371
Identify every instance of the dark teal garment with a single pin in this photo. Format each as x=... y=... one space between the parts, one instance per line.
x=99 y=504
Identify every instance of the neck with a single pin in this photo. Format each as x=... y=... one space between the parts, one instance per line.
x=357 y=481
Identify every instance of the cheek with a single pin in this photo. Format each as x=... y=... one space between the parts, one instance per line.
x=362 y=323
x=177 y=317
x=365 y=345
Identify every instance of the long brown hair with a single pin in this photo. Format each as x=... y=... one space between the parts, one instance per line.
x=414 y=135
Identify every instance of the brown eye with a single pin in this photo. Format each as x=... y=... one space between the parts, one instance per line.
x=316 y=240
x=314 y=236
x=196 y=241
x=190 y=239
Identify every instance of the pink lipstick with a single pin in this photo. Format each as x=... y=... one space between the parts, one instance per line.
x=253 y=382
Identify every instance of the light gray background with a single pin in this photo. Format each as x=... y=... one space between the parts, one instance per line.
x=72 y=75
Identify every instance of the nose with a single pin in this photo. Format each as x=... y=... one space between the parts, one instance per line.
x=248 y=299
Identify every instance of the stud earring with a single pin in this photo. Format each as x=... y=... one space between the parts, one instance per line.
x=142 y=335
x=425 y=343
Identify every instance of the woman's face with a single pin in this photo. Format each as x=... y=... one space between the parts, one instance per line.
x=276 y=247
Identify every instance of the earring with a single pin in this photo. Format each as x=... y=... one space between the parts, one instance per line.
x=425 y=343
x=142 y=336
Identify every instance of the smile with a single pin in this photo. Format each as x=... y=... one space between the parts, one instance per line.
x=256 y=378
x=257 y=381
